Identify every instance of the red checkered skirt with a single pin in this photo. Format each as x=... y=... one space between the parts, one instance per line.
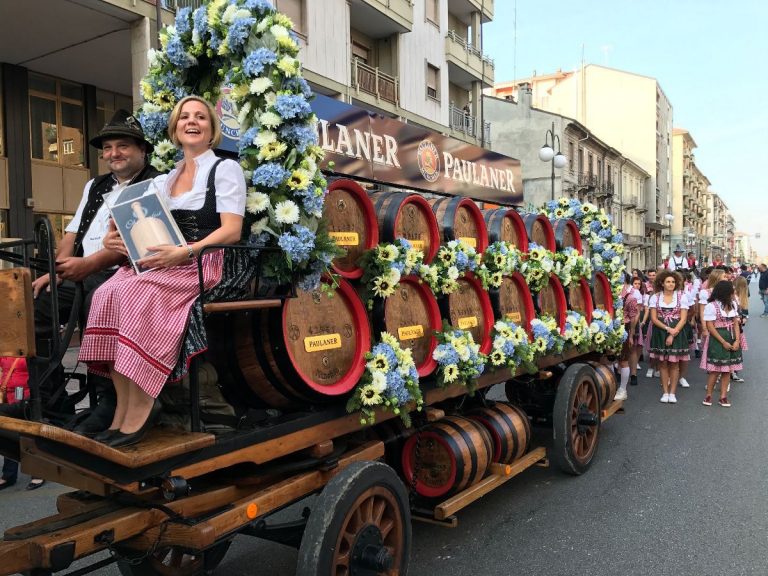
x=137 y=321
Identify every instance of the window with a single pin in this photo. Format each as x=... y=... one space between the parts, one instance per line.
x=589 y=164
x=361 y=52
x=294 y=9
x=433 y=82
x=599 y=170
x=56 y=117
x=570 y=156
x=433 y=11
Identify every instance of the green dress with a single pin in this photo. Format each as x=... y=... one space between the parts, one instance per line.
x=679 y=350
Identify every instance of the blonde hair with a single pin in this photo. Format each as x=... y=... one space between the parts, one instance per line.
x=742 y=294
x=213 y=117
x=714 y=277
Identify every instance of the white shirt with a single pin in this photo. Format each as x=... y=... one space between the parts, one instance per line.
x=704 y=295
x=93 y=237
x=677 y=263
x=646 y=299
x=638 y=296
x=229 y=181
x=657 y=299
x=710 y=312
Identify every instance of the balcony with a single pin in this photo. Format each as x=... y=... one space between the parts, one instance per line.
x=467 y=64
x=634 y=240
x=463 y=9
x=630 y=202
x=381 y=18
x=176 y=4
x=375 y=82
x=589 y=182
x=464 y=123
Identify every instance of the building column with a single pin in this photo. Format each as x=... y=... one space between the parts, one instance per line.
x=141 y=42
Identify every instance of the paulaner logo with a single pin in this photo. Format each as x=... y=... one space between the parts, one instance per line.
x=429 y=161
x=227 y=112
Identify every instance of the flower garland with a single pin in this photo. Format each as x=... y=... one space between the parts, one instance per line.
x=249 y=46
x=546 y=336
x=577 y=331
x=384 y=265
x=570 y=266
x=608 y=334
x=452 y=262
x=537 y=266
x=390 y=382
x=511 y=347
x=499 y=259
x=604 y=239
x=458 y=358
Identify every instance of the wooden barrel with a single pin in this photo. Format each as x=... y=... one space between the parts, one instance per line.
x=469 y=308
x=409 y=216
x=412 y=315
x=567 y=234
x=540 y=231
x=606 y=383
x=579 y=298
x=454 y=453
x=602 y=296
x=311 y=350
x=513 y=301
x=506 y=225
x=509 y=428
x=351 y=221
x=551 y=301
x=459 y=218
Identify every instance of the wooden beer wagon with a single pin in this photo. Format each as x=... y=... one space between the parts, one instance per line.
x=173 y=503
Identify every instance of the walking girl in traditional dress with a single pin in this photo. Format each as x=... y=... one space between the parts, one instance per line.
x=690 y=297
x=647 y=330
x=631 y=315
x=722 y=346
x=669 y=345
x=741 y=290
x=636 y=337
x=137 y=323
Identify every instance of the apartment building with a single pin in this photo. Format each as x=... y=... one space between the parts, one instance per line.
x=594 y=172
x=67 y=65
x=721 y=228
x=689 y=198
x=628 y=111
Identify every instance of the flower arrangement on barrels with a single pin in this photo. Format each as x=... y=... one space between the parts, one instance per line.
x=250 y=47
x=537 y=266
x=607 y=333
x=390 y=382
x=385 y=265
x=571 y=266
x=452 y=262
x=458 y=357
x=499 y=259
x=546 y=337
x=577 y=333
x=511 y=348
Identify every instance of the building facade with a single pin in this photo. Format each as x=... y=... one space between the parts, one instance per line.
x=67 y=65
x=721 y=228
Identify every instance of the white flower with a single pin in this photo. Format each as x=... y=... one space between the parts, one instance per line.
x=286 y=212
x=453 y=273
x=242 y=116
x=270 y=120
x=164 y=147
x=257 y=202
x=379 y=381
x=264 y=137
x=150 y=108
x=152 y=55
x=270 y=98
x=259 y=226
x=279 y=31
x=260 y=85
x=261 y=26
x=392 y=276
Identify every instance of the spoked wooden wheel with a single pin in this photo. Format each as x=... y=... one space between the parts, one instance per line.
x=360 y=525
x=576 y=419
x=173 y=561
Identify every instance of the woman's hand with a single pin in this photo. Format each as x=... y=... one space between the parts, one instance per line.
x=735 y=346
x=113 y=241
x=165 y=256
x=670 y=339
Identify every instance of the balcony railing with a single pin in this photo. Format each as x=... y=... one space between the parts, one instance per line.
x=176 y=4
x=589 y=181
x=461 y=121
x=469 y=47
x=373 y=81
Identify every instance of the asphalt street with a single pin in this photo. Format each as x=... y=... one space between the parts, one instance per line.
x=674 y=489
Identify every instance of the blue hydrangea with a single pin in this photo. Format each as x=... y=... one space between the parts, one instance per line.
x=595 y=225
x=239 y=31
x=258 y=240
x=270 y=175
x=552 y=205
x=154 y=124
x=508 y=348
x=386 y=351
x=214 y=42
x=183 y=21
x=404 y=244
x=301 y=136
x=247 y=138
x=461 y=261
x=200 y=21
x=448 y=353
x=597 y=247
x=309 y=282
x=261 y=7
x=297 y=244
x=177 y=55
x=618 y=238
x=290 y=106
x=604 y=233
x=254 y=63
x=413 y=373
x=297 y=84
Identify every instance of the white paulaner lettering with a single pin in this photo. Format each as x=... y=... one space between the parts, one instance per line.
x=369 y=145
x=477 y=174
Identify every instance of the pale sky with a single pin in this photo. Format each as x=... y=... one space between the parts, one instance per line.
x=709 y=57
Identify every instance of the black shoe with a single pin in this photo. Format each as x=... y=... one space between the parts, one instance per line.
x=35 y=485
x=633 y=380
x=7 y=484
x=697 y=353
x=120 y=439
x=105 y=435
x=99 y=419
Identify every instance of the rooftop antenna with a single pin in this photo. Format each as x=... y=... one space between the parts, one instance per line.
x=514 y=43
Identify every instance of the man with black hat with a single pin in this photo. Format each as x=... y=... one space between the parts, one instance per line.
x=80 y=255
x=678 y=261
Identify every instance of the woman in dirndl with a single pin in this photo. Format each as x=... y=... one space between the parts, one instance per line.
x=631 y=315
x=723 y=344
x=638 y=293
x=138 y=322
x=688 y=328
x=669 y=345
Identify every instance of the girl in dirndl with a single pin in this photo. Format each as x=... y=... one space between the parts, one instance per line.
x=722 y=348
x=636 y=337
x=669 y=344
x=690 y=296
x=631 y=314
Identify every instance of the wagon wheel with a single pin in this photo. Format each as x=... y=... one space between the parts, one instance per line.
x=360 y=525
x=173 y=561
x=576 y=419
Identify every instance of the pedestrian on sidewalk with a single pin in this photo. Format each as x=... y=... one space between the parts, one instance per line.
x=647 y=327
x=637 y=334
x=762 y=285
x=631 y=314
x=669 y=344
x=741 y=290
x=722 y=347
x=690 y=296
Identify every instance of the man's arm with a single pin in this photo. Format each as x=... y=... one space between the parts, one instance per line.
x=65 y=249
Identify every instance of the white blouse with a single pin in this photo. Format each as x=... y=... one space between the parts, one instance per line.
x=710 y=313
x=658 y=299
x=229 y=181
x=638 y=296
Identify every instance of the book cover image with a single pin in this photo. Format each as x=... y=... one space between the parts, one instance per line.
x=143 y=221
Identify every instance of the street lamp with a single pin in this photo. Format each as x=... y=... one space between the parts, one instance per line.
x=669 y=217
x=548 y=154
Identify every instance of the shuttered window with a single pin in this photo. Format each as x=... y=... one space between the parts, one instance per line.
x=433 y=81
x=432 y=11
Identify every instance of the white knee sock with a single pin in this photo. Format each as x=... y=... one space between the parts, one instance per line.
x=624 y=378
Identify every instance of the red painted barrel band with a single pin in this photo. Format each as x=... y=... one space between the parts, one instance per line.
x=370 y=220
x=445 y=442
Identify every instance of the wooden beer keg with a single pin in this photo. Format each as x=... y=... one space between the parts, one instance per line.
x=351 y=220
x=579 y=298
x=454 y=453
x=606 y=383
x=509 y=428
x=540 y=231
x=506 y=225
x=567 y=234
x=312 y=350
x=469 y=308
x=409 y=216
x=412 y=315
x=602 y=295
x=459 y=218
x=513 y=301
x=551 y=301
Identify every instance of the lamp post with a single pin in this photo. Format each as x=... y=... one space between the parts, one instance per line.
x=547 y=154
x=669 y=217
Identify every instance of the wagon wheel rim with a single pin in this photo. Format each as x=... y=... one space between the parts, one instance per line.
x=584 y=423
x=371 y=536
x=172 y=561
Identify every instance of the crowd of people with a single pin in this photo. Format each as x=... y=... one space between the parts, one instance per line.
x=679 y=313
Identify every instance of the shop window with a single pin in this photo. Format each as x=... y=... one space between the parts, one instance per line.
x=56 y=116
x=433 y=82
